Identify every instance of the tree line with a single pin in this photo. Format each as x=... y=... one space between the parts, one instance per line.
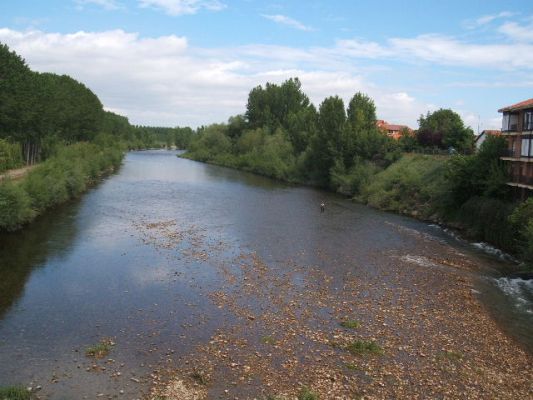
x=283 y=135
x=40 y=112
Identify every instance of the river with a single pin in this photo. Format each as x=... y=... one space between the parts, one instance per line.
x=153 y=257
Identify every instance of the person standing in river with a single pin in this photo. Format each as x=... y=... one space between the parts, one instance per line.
x=322 y=207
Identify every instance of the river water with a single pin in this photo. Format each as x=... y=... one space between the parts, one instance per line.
x=109 y=266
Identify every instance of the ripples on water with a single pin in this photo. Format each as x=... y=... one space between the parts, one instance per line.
x=520 y=290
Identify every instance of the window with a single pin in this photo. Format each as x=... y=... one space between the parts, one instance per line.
x=505 y=122
x=528 y=120
x=526 y=144
x=510 y=122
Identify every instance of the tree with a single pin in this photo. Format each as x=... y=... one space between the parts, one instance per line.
x=445 y=128
x=270 y=107
x=482 y=174
x=326 y=144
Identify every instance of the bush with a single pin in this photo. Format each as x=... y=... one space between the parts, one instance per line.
x=351 y=182
x=15 y=206
x=522 y=229
x=488 y=220
x=414 y=183
x=56 y=180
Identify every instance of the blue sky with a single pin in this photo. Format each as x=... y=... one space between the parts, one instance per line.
x=193 y=62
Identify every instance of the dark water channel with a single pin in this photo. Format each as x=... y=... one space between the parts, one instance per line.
x=85 y=271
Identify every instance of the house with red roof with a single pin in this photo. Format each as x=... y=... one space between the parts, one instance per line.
x=517 y=127
x=392 y=130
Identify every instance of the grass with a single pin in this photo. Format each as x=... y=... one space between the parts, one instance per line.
x=414 y=184
x=268 y=340
x=364 y=347
x=14 y=393
x=350 y=324
x=450 y=355
x=307 y=394
x=100 y=349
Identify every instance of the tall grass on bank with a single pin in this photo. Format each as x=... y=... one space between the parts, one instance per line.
x=412 y=185
x=58 y=179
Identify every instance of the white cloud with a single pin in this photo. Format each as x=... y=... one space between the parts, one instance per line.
x=165 y=81
x=450 y=51
x=182 y=7
x=107 y=4
x=516 y=32
x=284 y=20
x=487 y=19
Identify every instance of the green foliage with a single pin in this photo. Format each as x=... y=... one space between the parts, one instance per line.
x=482 y=174
x=522 y=225
x=444 y=128
x=15 y=206
x=350 y=324
x=407 y=141
x=14 y=393
x=414 y=184
x=10 y=155
x=364 y=347
x=282 y=135
x=350 y=182
x=272 y=106
x=101 y=349
x=307 y=394
x=488 y=219
x=62 y=177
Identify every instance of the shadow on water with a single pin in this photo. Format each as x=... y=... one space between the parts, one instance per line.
x=24 y=251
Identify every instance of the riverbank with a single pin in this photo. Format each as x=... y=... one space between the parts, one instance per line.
x=223 y=275
x=411 y=326
x=416 y=186
x=60 y=178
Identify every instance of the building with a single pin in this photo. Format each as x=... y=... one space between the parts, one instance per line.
x=392 y=130
x=478 y=141
x=517 y=127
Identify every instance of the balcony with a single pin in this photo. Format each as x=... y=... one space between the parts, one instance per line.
x=521 y=181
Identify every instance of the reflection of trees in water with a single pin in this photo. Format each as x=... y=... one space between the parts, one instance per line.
x=21 y=252
x=247 y=178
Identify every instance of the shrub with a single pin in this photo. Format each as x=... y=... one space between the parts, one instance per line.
x=522 y=229
x=61 y=177
x=15 y=206
x=488 y=220
x=415 y=182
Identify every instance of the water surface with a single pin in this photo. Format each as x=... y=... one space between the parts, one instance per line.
x=99 y=268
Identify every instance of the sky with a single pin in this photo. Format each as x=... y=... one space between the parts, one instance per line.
x=193 y=62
